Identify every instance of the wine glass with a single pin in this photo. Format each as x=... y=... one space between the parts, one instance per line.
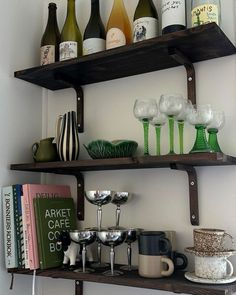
x=99 y=198
x=84 y=238
x=158 y=121
x=180 y=118
x=215 y=125
x=112 y=238
x=200 y=116
x=171 y=105
x=132 y=235
x=144 y=110
x=119 y=199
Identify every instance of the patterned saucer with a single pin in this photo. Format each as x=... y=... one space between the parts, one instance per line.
x=193 y=278
x=225 y=253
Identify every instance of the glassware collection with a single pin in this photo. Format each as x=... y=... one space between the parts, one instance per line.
x=119 y=29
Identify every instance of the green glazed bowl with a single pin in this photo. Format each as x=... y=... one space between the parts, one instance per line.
x=103 y=149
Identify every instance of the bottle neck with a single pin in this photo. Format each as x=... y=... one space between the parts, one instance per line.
x=118 y=4
x=95 y=10
x=71 y=9
x=52 y=18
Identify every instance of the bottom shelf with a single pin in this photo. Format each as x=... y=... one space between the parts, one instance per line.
x=175 y=283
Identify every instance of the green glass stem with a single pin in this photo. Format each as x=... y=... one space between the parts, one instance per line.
x=201 y=145
x=145 y=129
x=213 y=141
x=158 y=140
x=171 y=134
x=181 y=136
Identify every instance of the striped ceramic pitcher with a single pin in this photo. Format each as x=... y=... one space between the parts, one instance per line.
x=67 y=137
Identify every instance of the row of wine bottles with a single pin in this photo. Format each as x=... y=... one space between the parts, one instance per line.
x=70 y=44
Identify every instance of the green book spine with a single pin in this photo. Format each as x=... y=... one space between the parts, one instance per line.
x=52 y=215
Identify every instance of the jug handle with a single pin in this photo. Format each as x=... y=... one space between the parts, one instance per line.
x=35 y=147
x=58 y=128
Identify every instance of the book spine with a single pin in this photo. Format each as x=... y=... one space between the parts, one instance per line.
x=25 y=234
x=10 y=247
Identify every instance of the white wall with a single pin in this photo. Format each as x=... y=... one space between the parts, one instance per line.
x=160 y=198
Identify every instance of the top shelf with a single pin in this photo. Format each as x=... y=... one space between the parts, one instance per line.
x=197 y=44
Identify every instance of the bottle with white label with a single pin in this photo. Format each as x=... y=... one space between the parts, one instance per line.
x=173 y=15
x=118 y=26
x=71 y=39
x=145 y=24
x=94 y=35
x=205 y=11
x=51 y=38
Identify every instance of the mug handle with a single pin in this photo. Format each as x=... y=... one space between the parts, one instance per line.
x=35 y=147
x=230 y=237
x=167 y=244
x=170 y=270
x=231 y=268
x=184 y=259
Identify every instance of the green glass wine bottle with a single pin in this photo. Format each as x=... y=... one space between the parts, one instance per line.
x=51 y=38
x=71 y=39
x=205 y=11
x=145 y=21
x=94 y=35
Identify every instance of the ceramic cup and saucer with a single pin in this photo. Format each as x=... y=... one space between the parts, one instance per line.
x=211 y=258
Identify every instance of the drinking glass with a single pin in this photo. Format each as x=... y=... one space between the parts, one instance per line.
x=144 y=110
x=119 y=199
x=112 y=238
x=200 y=116
x=215 y=125
x=171 y=105
x=158 y=121
x=180 y=118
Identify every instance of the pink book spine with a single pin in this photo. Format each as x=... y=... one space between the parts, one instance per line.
x=31 y=191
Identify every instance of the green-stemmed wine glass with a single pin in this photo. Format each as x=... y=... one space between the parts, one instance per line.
x=171 y=105
x=180 y=118
x=158 y=121
x=215 y=125
x=144 y=110
x=200 y=116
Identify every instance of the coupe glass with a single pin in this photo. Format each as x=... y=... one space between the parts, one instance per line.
x=180 y=118
x=144 y=110
x=200 y=116
x=216 y=124
x=158 y=121
x=112 y=238
x=171 y=105
x=119 y=199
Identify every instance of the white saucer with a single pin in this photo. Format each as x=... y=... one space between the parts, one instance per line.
x=193 y=278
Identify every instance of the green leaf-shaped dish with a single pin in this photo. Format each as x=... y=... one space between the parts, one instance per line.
x=103 y=149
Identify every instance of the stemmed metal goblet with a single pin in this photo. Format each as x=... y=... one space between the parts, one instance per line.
x=144 y=110
x=215 y=125
x=119 y=199
x=171 y=105
x=112 y=238
x=99 y=198
x=158 y=121
x=84 y=238
x=200 y=116
x=132 y=235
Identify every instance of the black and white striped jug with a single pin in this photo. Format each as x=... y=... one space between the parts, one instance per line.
x=67 y=137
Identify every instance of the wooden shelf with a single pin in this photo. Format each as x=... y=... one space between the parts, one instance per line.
x=176 y=283
x=166 y=161
x=197 y=44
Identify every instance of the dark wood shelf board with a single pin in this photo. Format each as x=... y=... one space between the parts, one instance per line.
x=176 y=283
x=73 y=167
x=197 y=44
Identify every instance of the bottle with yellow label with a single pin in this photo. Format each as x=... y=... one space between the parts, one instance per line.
x=205 y=11
x=118 y=26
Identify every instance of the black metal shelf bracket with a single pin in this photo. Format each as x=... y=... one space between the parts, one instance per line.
x=78 y=287
x=193 y=190
x=80 y=195
x=79 y=98
x=191 y=81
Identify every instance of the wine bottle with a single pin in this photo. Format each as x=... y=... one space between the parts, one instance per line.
x=51 y=38
x=71 y=39
x=205 y=11
x=145 y=22
x=118 y=26
x=173 y=16
x=94 y=39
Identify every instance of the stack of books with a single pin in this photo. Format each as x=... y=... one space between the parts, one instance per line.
x=33 y=217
